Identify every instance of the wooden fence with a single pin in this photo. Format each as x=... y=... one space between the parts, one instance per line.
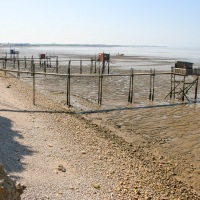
x=32 y=71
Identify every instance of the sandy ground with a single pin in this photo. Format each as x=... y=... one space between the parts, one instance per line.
x=138 y=153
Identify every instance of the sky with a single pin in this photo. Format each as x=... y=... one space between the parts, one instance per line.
x=174 y=23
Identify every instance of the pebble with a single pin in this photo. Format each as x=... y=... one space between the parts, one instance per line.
x=61 y=168
x=96 y=186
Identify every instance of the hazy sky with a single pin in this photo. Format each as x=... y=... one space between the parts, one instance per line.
x=125 y=22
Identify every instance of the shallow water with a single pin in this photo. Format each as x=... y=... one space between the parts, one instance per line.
x=152 y=57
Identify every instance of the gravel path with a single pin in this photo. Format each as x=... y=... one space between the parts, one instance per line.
x=58 y=155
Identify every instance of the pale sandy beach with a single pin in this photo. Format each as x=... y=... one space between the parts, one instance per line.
x=118 y=151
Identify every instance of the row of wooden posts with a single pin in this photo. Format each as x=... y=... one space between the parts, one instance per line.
x=47 y=63
x=100 y=76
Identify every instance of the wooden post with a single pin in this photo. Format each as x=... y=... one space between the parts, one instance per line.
x=174 y=95
x=100 y=87
x=150 y=85
x=45 y=67
x=25 y=61
x=196 y=88
x=68 y=86
x=103 y=67
x=57 y=64
x=152 y=97
x=69 y=64
x=5 y=65
x=5 y=61
x=171 y=82
x=95 y=65
x=91 y=66
x=14 y=62
x=33 y=67
x=129 y=93
x=183 y=90
x=32 y=62
x=109 y=67
x=18 y=69
x=130 y=97
x=81 y=70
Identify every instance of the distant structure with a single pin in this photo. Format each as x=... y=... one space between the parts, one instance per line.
x=14 y=53
x=186 y=66
x=104 y=58
x=179 y=86
x=42 y=56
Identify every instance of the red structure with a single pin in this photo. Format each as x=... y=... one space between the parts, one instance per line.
x=104 y=57
x=42 y=56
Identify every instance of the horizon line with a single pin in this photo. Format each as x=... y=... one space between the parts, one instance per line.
x=75 y=44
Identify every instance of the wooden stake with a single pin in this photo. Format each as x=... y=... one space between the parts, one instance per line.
x=68 y=86
x=100 y=87
x=174 y=85
x=91 y=66
x=81 y=70
x=18 y=69
x=5 y=63
x=109 y=67
x=57 y=64
x=130 y=97
x=152 y=98
x=25 y=61
x=150 y=85
x=95 y=65
x=196 y=88
x=171 y=82
x=183 y=90
x=32 y=62
x=45 y=69
x=14 y=62
x=101 y=91
x=33 y=67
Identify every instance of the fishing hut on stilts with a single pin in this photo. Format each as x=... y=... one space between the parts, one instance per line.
x=104 y=60
x=181 y=82
x=48 y=61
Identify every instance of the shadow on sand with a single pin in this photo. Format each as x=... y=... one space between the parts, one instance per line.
x=101 y=110
x=11 y=151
